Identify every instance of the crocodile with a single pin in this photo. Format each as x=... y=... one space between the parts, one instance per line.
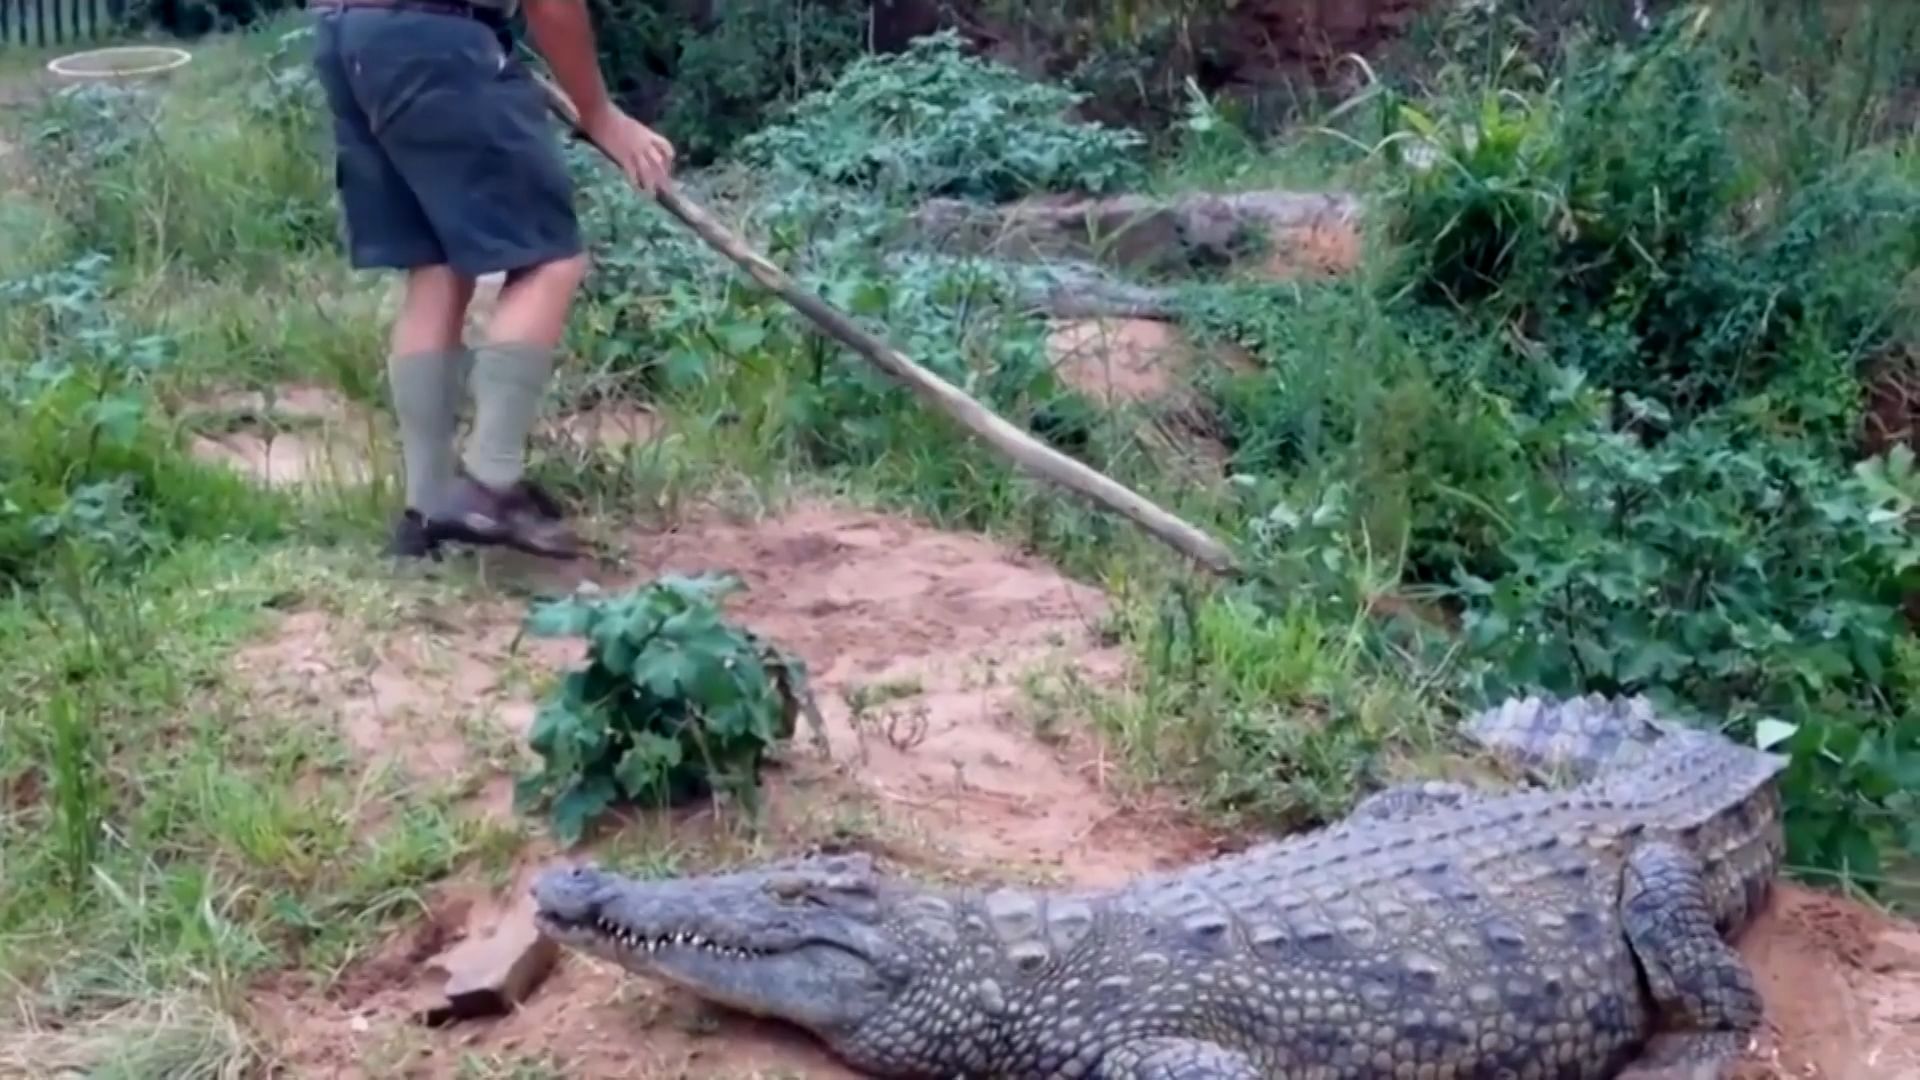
x=1576 y=930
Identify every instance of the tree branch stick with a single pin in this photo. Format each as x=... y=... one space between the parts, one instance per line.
x=1023 y=449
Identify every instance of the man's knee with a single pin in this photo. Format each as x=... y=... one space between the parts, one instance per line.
x=437 y=294
x=558 y=275
x=439 y=285
x=433 y=306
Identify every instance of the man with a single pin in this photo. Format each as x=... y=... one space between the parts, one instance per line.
x=449 y=168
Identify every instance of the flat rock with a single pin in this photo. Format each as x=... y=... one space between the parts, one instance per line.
x=491 y=975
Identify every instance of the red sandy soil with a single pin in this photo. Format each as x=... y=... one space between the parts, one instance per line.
x=951 y=623
x=965 y=773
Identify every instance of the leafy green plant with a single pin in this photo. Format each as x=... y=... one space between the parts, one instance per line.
x=674 y=703
x=90 y=475
x=708 y=74
x=665 y=317
x=1607 y=215
x=1743 y=577
x=935 y=121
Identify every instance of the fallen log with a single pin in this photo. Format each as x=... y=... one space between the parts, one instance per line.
x=1024 y=450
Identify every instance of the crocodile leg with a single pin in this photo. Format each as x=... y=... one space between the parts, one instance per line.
x=1174 y=1059
x=1409 y=799
x=1706 y=1003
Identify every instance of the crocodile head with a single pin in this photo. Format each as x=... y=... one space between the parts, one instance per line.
x=823 y=942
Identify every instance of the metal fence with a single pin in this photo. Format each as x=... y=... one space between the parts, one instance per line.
x=41 y=23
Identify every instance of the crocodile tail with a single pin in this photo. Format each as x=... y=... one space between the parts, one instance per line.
x=1571 y=741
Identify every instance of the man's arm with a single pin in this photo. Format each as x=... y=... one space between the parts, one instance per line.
x=563 y=33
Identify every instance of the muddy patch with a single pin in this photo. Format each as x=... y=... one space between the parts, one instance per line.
x=920 y=644
x=1842 y=986
x=290 y=437
x=610 y=426
x=1115 y=361
x=1322 y=248
x=307 y=437
x=1150 y=365
x=444 y=696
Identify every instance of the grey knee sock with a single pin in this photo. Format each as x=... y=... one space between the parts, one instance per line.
x=427 y=415
x=459 y=382
x=509 y=380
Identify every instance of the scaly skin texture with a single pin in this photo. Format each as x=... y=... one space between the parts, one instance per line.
x=1436 y=933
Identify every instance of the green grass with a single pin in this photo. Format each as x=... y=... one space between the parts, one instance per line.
x=164 y=842
x=166 y=835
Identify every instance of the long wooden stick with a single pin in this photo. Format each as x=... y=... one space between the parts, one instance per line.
x=1031 y=454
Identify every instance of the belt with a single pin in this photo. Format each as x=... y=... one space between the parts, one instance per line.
x=431 y=7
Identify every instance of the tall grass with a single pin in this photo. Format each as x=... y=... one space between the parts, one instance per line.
x=219 y=172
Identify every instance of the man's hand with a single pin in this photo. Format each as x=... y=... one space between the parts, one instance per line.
x=640 y=152
x=564 y=34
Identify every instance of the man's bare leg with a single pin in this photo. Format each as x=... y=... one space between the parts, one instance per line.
x=433 y=311
x=534 y=303
x=427 y=365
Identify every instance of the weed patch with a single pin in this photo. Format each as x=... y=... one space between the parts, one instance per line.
x=1612 y=384
x=933 y=121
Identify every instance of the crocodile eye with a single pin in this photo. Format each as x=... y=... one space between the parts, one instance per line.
x=787 y=888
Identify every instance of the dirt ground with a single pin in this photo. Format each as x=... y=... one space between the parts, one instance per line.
x=933 y=634
x=945 y=767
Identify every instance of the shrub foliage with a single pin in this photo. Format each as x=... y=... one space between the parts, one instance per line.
x=673 y=703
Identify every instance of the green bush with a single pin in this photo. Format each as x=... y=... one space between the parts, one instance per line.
x=756 y=60
x=1610 y=217
x=674 y=703
x=708 y=75
x=935 y=121
x=1604 y=403
x=1745 y=577
x=665 y=315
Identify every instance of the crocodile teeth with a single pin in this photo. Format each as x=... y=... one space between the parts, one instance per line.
x=632 y=940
